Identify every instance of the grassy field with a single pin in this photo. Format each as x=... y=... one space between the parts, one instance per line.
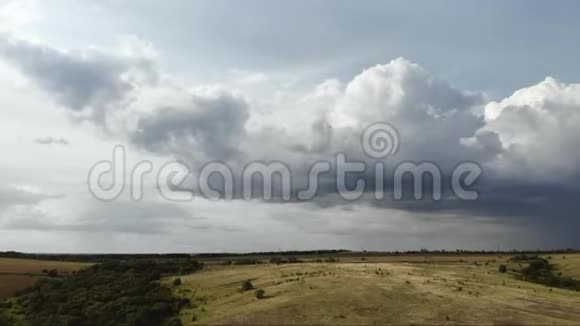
x=17 y=274
x=569 y=265
x=378 y=290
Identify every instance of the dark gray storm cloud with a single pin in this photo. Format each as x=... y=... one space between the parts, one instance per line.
x=86 y=81
x=206 y=128
x=101 y=86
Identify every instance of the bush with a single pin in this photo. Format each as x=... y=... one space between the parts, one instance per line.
x=174 y=322
x=525 y=258
x=247 y=286
x=260 y=294
x=294 y=260
x=177 y=282
x=52 y=273
x=541 y=271
x=276 y=260
x=246 y=261
x=502 y=268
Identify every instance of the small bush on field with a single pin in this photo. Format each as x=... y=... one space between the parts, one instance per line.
x=260 y=294
x=174 y=322
x=177 y=282
x=247 y=286
x=502 y=268
x=294 y=260
x=524 y=257
x=246 y=261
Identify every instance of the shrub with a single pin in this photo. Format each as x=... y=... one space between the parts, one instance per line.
x=247 y=286
x=294 y=260
x=52 y=273
x=260 y=294
x=174 y=322
x=246 y=261
x=525 y=258
x=177 y=282
x=502 y=268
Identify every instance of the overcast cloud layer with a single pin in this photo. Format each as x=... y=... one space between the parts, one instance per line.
x=69 y=99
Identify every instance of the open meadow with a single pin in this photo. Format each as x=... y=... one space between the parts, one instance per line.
x=346 y=288
x=569 y=265
x=378 y=290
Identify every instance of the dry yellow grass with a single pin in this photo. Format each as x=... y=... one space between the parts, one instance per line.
x=373 y=292
x=568 y=264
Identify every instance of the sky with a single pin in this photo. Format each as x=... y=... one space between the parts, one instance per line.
x=493 y=83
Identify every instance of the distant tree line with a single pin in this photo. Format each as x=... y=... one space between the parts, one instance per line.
x=97 y=258
x=272 y=253
x=460 y=252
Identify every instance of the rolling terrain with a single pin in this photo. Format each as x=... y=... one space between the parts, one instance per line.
x=377 y=290
x=346 y=288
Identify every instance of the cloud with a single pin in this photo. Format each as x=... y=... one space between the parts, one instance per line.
x=86 y=82
x=538 y=130
x=17 y=13
x=18 y=196
x=526 y=143
x=120 y=93
x=51 y=140
x=208 y=123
